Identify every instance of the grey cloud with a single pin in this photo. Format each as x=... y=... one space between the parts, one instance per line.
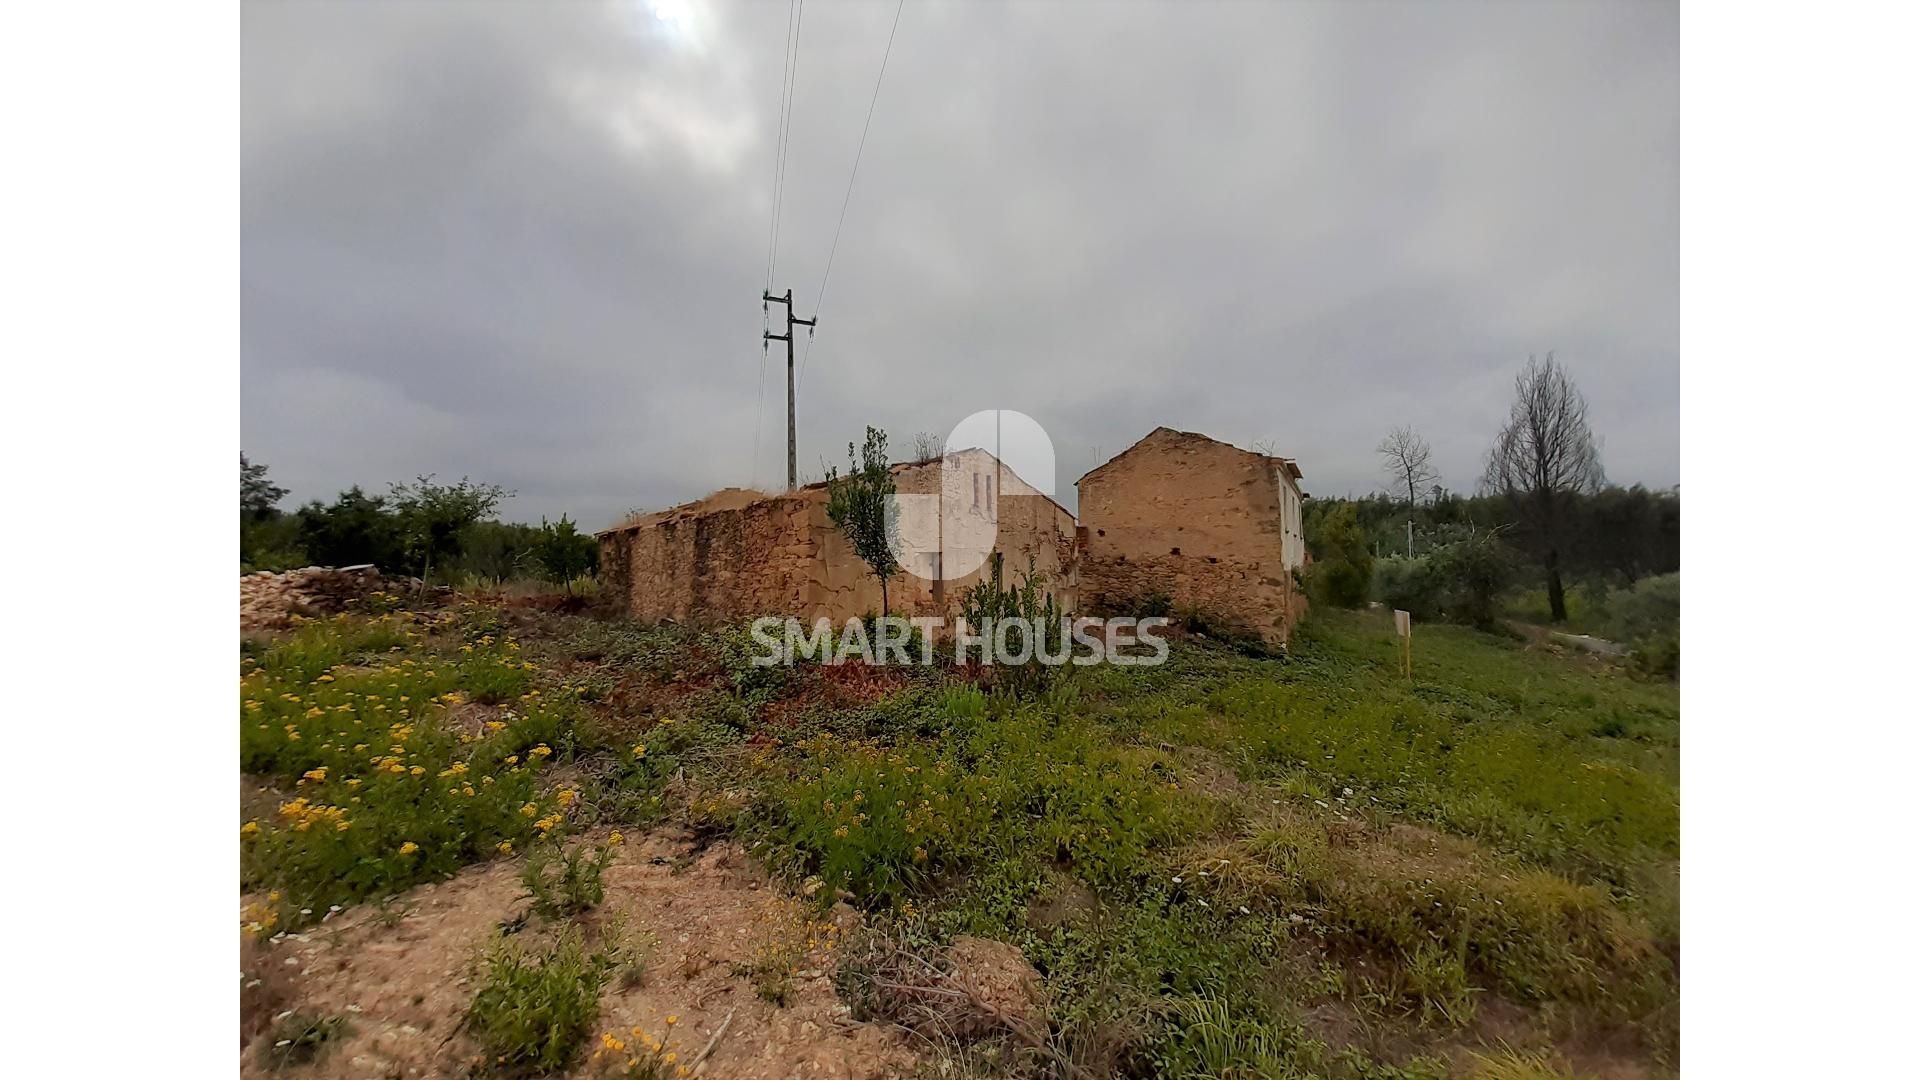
x=526 y=242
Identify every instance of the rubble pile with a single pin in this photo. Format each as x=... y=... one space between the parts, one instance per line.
x=269 y=601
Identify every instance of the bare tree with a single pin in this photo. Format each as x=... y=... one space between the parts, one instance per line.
x=1541 y=459
x=1409 y=461
x=928 y=446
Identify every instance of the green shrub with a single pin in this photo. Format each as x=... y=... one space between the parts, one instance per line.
x=562 y=552
x=1472 y=573
x=563 y=881
x=1658 y=654
x=1460 y=582
x=535 y=1007
x=1342 y=570
x=1649 y=610
x=989 y=601
x=1409 y=584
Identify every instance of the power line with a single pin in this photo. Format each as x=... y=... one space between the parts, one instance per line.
x=786 y=140
x=790 y=59
x=821 y=299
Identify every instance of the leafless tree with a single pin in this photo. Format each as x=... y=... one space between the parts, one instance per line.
x=1408 y=461
x=1541 y=458
x=928 y=446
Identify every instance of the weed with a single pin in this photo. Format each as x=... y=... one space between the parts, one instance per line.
x=1510 y=1064
x=388 y=791
x=564 y=881
x=536 y=1005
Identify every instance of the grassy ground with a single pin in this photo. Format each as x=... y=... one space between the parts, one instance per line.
x=1223 y=866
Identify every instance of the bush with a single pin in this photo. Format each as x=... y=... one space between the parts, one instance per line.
x=1658 y=654
x=1473 y=573
x=1409 y=584
x=1460 y=581
x=563 y=552
x=534 y=1009
x=562 y=881
x=989 y=601
x=1342 y=571
x=1649 y=610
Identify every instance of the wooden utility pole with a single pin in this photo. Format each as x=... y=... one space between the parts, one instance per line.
x=793 y=475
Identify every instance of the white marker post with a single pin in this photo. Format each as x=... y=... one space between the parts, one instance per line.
x=1403 y=627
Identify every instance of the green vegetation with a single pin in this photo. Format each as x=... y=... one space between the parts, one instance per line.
x=1227 y=865
x=390 y=785
x=1343 y=570
x=860 y=504
x=537 y=1003
x=565 y=881
x=442 y=532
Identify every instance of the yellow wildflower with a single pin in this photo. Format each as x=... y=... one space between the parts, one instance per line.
x=616 y=840
x=409 y=848
x=249 y=828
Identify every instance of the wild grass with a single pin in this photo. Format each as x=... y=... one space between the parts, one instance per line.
x=1195 y=857
x=389 y=786
x=538 y=1001
x=564 y=881
x=882 y=821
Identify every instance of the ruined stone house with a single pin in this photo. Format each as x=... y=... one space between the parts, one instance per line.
x=1206 y=524
x=740 y=554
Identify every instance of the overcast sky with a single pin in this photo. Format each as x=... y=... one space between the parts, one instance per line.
x=526 y=243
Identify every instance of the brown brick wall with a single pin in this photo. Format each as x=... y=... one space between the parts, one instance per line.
x=782 y=555
x=1195 y=519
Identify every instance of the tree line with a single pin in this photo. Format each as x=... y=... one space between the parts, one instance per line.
x=1543 y=514
x=425 y=528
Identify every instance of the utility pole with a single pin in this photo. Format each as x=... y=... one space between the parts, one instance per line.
x=793 y=474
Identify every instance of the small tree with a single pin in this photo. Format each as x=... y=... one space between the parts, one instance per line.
x=858 y=502
x=354 y=528
x=1343 y=565
x=563 y=552
x=1409 y=461
x=433 y=517
x=257 y=494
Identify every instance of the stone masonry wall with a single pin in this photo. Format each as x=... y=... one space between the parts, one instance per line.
x=1192 y=518
x=732 y=558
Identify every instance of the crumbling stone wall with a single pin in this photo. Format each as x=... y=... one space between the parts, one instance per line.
x=738 y=555
x=1194 y=519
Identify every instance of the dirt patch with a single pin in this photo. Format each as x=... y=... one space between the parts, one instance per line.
x=403 y=975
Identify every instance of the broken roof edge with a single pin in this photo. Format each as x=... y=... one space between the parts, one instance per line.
x=699 y=507
x=1288 y=464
